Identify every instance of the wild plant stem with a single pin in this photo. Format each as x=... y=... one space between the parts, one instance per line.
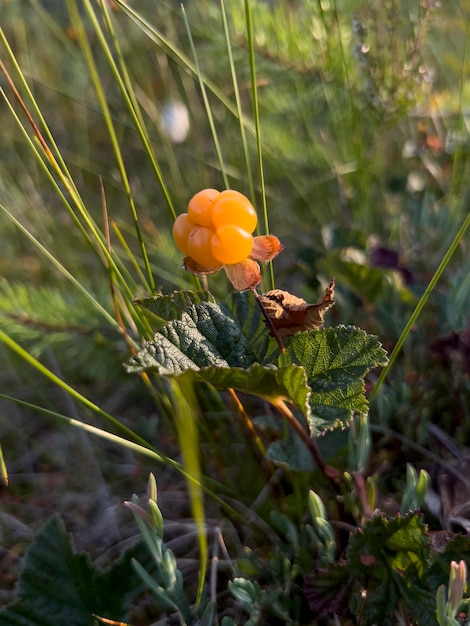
x=269 y=321
x=247 y=421
x=287 y=414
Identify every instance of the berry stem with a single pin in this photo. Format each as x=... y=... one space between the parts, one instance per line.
x=269 y=321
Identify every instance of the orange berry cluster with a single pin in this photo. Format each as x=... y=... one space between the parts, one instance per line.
x=217 y=229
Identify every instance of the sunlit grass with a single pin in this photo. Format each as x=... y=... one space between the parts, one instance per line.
x=292 y=106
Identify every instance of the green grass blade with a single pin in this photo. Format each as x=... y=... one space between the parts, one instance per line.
x=123 y=80
x=173 y=52
x=37 y=110
x=3 y=467
x=186 y=418
x=210 y=117
x=94 y=237
x=458 y=173
x=128 y=251
x=236 y=92
x=421 y=304
x=70 y=277
x=134 y=443
x=28 y=358
x=94 y=430
x=254 y=92
x=96 y=79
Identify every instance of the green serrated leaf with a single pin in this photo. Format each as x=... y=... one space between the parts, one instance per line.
x=165 y=308
x=344 y=351
x=405 y=534
x=57 y=586
x=324 y=370
x=243 y=308
x=421 y=601
x=336 y=361
x=288 y=383
x=202 y=336
x=377 y=603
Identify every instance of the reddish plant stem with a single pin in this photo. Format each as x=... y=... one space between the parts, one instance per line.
x=284 y=410
x=269 y=321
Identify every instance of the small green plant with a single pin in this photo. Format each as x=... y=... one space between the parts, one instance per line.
x=167 y=583
x=241 y=401
x=453 y=602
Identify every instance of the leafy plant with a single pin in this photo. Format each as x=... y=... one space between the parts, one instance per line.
x=59 y=586
x=346 y=156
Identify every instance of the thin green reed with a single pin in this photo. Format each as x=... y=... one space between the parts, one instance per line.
x=68 y=275
x=254 y=92
x=96 y=79
x=73 y=393
x=210 y=117
x=48 y=161
x=138 y=448
x=421 y=304
x=94 y=237
x=174 y=53
x=37 y=111
x=125 y=85
x=236 y=92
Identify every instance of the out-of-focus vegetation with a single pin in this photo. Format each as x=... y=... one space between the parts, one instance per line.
x=363 y=136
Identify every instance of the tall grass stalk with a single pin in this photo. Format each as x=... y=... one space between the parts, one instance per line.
x=254 y=92
x=194 y=478
x=76 y=208
x=65 y=272
x=73 y=393
x=125 y=85
x=421 y=304
x=126 y=442
x=68 y=180
x=94 y=74
x=207 y=106
x=3 y=468
x=236 y=92
x=186 y=418
x=182 y=60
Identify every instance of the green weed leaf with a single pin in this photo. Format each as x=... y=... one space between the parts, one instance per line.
x=391 y=557
x=57 y=586
x=161 y=309
x=243 y=308
x=197 y=334
x=196 y=340
x=335 y=362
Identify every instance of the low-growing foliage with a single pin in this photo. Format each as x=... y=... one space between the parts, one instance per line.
x=308 y=472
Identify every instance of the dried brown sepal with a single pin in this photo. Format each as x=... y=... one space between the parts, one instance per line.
x=290 y=314
x=190 y=265
x=265 y=248
x=244 y=275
